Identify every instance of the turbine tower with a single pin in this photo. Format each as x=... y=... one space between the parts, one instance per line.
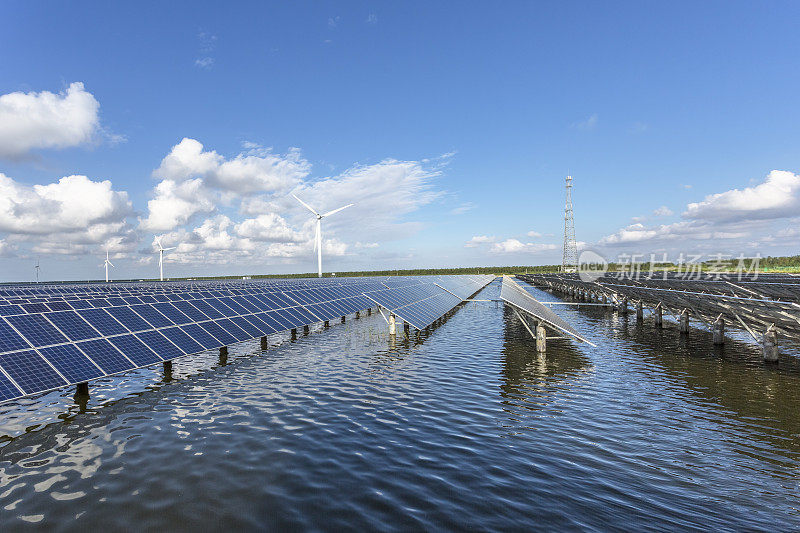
x=569 y=261
x=161 y=251
x=318 y=238
x=37 y=268
x=107 y=263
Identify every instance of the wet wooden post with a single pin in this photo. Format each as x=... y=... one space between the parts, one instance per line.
x=167 y=368
x=369 y=311
x=718 y=331
x=392 y=325
x=406 y=328
x=541 y=338
x=82 y=389
x=639 y=311
x=623 y=306
x=769 y=345
x=306 y=329
x=658 y=314
x=294 y=333
x=326 y=324
x=264 y=343
x=684 y=327
x=358 y=315
x=343 y=320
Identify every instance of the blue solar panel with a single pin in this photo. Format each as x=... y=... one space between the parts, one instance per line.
x=246 y=326
x=72 y=364
x=102 y=321
x=191 y=311
x=59 y=306
x=262 y=326
x=36 y=330
x=221 y=307
x=30 y=371
x=182 y=340
x=129 y=319
x=149 y=313
x=233 y=329
x=135 y=350
x=7 y=389
x=221 y=335
x=201 y=336
x=238 y=308
x=7 y=310
x=35 y=308
x=171 y=312
x=72 y=325
x=207 y=309
x=159 y=344
x=105 y=356
x=10 y=339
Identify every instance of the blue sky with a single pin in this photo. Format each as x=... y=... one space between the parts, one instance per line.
x=451 y=126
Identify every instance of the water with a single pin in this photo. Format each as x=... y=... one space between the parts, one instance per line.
x=465 y=428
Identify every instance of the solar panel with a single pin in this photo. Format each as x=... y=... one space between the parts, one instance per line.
x=73 y=333
x=511 y=293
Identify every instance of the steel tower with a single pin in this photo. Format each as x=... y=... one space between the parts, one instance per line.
x=569 y=261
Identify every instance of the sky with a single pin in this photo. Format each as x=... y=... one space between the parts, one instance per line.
x=449 y=125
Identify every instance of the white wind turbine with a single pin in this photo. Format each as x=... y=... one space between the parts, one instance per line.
x=107 y=263
x=37 y=268
x=318 y=239
x=161 y=251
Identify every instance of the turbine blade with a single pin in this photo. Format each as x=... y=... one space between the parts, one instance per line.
x=337 y=210
x=174 y=247
x=112 y=264
x=306 y=205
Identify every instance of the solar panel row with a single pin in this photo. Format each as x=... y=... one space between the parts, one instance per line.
x=96 y=331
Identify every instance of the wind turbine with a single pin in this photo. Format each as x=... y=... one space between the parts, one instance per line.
x=161 y=251
x=318 y=239
x=37 y=268
x=106 y=263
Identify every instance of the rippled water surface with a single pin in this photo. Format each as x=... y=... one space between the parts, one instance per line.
x=465 y=427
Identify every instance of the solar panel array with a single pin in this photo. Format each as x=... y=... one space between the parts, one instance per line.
x=61 y=334
x=513 y=294
x=753 y=302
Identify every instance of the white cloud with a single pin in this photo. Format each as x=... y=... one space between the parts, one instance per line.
x=204 y=62
x=30 y=121
x=196 y=181
x=463 y=208
x=478 y=240
x=66 y=217
x=534 y=234
x=776 y=197
x=269 y=227
x=515 y=246
x=586 y=125
x=663 y=211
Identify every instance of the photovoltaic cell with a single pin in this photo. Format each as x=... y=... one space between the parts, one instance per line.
x=205 y=339
x=10 y=339
x=135 y=350
x=182 y=340
x=30 y=371
x=7 y=389
x=37 y=330
x=73 y=326
x=105 y=356
x=72 y=364
x=159 y=344
x=102 y=321
x=220 y=334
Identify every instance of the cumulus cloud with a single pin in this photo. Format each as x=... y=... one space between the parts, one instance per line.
x=534 y=234
x=478 y=240
x=30 y=121
x=509 y=246
x=195 y=181
x=69 y=216
x=776 y=197
x=663 y=211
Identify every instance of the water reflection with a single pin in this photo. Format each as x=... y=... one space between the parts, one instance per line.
x=531 y=380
